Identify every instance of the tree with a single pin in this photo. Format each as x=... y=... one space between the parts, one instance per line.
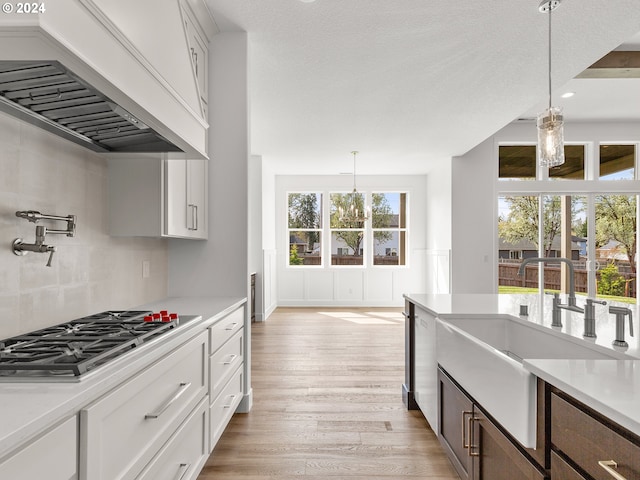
x=616 y=220
x=305 y=214
x=294 y=259
x=523 y=220
x=349 y=230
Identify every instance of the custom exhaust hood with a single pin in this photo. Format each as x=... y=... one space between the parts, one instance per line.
x=85 y=71
x=52 y=97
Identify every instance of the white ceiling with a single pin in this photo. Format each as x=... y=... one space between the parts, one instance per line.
x=412 y=82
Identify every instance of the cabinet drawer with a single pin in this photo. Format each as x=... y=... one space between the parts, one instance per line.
x=586 y=441
x=224 y=362
x=224 y=329
x=561 y=470
x=53 y=456
x=187 y=451
x=223 y=407
x=124 y=429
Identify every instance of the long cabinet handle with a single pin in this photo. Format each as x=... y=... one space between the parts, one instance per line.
x=232 y=357
x=607 y=464
x=182 y=471
x=183 y=388
x=194 y=215
x=471 y=435
x=465 y=443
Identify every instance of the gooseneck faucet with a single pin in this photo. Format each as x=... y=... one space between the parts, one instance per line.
x=571 y=300
x=21 y=248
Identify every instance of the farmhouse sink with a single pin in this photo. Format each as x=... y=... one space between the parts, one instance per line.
x=485 y=357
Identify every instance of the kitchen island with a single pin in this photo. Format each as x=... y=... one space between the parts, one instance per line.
x=607 y=389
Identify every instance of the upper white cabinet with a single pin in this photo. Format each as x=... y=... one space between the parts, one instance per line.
x=199 y=51
x=152 y=197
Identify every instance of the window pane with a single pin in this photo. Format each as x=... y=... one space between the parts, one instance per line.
x=346 y=247
x=305 y=210
x=388 y=247
x=518 y=220
x=573 y=166
x=305 y=247
x=616 y=245
x=517 y=162
x=347 y=210
x=388 y=210
x=617 y=162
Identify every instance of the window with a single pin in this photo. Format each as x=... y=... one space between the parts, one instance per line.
x=389 y=226
x=346 y=235
x=573 y=166
x=305 y=228
x=517 y=162
x=617 y=162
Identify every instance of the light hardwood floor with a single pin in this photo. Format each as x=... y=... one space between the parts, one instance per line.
x=327 y=404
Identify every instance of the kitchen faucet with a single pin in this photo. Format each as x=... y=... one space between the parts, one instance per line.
x=621 y=313
x=571 y=300
x=21 y=248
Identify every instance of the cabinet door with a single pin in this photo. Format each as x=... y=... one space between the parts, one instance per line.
x=456 y=412
x=495 y=457
x=197 y=182
x=426 y=366
x=176 y=210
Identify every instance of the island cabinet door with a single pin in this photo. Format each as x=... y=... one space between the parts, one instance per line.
x=456 y=410
x=495 y=456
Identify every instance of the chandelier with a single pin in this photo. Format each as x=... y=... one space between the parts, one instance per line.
x=550 y=122
x=353 y=211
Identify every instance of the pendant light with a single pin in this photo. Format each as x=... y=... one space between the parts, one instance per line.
x=550 y=122
x=355 y=212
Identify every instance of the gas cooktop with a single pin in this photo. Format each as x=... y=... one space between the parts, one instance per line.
x=67 y=351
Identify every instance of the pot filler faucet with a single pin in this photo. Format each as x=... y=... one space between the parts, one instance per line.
x=556 y=317
x=21 y=248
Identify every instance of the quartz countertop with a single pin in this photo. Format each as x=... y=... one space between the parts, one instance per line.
x=28 y=408
x=611 y=387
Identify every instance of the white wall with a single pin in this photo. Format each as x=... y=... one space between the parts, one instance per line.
x=474 y=197
x=340 y=286
x=91 y=271
x=219 y=265
x=438 y=220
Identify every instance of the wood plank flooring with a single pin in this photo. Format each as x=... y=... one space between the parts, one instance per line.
x=327 y=404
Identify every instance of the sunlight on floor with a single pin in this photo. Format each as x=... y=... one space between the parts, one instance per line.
x=367 y=318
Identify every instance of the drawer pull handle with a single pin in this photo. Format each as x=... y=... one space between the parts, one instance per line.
x=183 y=388
x=231 y=326
x=465 y=444
x=232 y=357
x=471 y=437
x=607 y=464
x=182 y=471
x=233 y=397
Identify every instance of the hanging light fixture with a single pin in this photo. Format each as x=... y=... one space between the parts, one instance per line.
x=550 y=122
x=354 y=211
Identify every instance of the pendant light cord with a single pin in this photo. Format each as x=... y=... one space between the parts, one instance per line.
x=550 y=10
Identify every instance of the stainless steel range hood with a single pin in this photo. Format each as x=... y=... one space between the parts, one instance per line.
x=48 y=95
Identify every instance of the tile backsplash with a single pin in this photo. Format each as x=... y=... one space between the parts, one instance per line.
x=91 y=271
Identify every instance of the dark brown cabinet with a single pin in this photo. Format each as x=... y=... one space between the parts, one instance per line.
x=583 y=442
x=477 y=448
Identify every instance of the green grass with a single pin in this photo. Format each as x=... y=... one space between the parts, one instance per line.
x=510 y=289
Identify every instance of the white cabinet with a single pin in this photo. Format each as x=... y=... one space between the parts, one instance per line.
x=226 y=371
x=123 y=430
x=186 y=198
x=54 y=456
x=426 y=366
x=199 y=56
x=153 y=197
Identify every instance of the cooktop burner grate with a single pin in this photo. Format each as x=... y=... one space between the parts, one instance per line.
x=76 y=347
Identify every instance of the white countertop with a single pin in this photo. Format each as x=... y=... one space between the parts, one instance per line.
x=29 y=408
x=611 y=387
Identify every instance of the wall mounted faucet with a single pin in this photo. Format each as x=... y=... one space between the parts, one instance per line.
x=21 y=248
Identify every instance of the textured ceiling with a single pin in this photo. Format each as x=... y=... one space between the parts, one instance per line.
x=406 y=82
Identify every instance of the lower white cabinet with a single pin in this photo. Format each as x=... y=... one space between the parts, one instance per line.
x=185 y=454
x=123 y=430
x=224 y=406
x=426 y=366
x=53 y=456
